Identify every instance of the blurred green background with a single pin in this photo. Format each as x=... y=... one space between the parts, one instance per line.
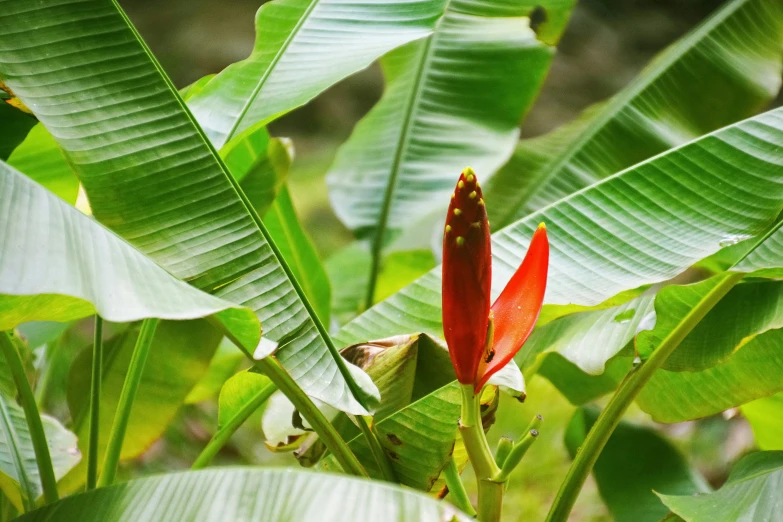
x=606 y=44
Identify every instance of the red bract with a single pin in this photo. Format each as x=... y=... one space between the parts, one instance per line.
x=477 y=353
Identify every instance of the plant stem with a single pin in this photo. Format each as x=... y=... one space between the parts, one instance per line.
x=630 y=387
x=37 y=434
x=331 y=439
x=127 y=396
x=378 y=453
x=516 y=454
x=459 y=497
x=225 y=432
x=95 y=404
x=490 y=492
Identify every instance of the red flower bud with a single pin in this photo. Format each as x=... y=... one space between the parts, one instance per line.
x=478 y=347
x=467 y=276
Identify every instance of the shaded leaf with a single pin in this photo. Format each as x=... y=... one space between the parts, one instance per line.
x=766 y=418
x=41 y=159
x=16 y=125
x=751 y=494
x=636 y=463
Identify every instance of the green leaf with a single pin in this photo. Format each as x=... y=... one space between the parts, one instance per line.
x=302 y=48
x=752 y=372
x=588 y=339
x=152 y=177
x=576 y=385
x=636 y=463
x=274 y=495
x=239 y=391
x=642 y=226
x=40 y=158
x=19 y=478
x=16 y=125
x=766 y=418
x=417 y=439
x=751 y=494
x=298 y=250
x=747 y=310
x=348 y=270
x=179 y=357
x=453 y=99
x=65 y=266
x=400 y=269
x=734 y=55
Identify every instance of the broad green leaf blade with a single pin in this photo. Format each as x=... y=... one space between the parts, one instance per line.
x=225 y=363
x=636 y=463
x=272 y=495
x=751 y=373
x=40 y=158
x=19 y=478
x=152 y=177
x=641 y=226
x=298 y=250
x=452 y=100
x=418 y=439
x=349 y=271
x=752 y=494
x=64 y=265
x=16 y=125
x=748 y=310
x=302 y=48
x=579 y=387
x=734 y=55
x=588 y=339
x=179 y=357
x=766 y=418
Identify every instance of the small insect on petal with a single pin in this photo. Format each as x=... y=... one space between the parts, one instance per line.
x=467 y=274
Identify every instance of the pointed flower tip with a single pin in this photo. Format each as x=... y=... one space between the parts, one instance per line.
x=542 y=226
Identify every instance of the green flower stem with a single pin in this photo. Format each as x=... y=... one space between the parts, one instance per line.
x=95 y=404
x=630 y=387
x=504 y=448
x=121 y=418
x=516 y=455
x=226 y=431
x=490 y=492
x=331 y=439
x=381 y=459
x=458 y=495
x=33 y=418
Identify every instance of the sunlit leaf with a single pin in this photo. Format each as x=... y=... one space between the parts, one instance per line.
x=734 y=55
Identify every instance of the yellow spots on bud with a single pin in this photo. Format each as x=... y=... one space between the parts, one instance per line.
x=460 y=240
x=542 y=226
x=461 y=184
x=448 y=229
x=472 y=195
x=481 y=202
x=476 y=224
x=453 y=195
x=470 y=174
x=457 y=212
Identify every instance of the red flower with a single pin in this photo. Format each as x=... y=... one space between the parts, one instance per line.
x=477 y=347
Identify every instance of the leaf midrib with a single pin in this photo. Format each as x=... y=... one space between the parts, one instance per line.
x=262 y=80
x=618 y=102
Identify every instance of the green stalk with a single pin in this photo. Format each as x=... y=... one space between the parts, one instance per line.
x=505 y=445
x=633 y=383
x=630 y=387
x=516 y=454
x=121 y=418
x=42 y=457
x=490 y=492
x=225 y=432
x=95 y=404
x=381 y=459
x=459 y=497
x=331 y=439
